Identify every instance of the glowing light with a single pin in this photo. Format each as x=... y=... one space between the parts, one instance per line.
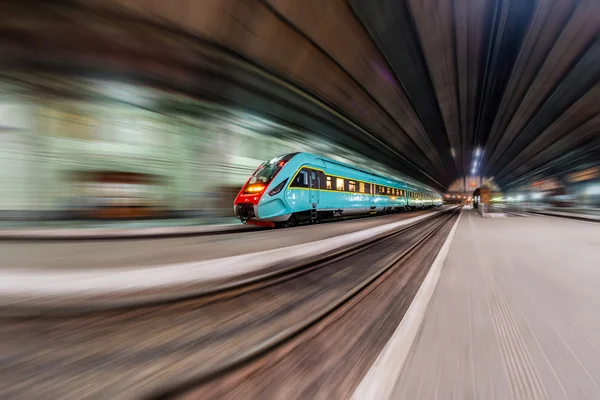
x=593 y=190
x=255 y=188
x=537 y=195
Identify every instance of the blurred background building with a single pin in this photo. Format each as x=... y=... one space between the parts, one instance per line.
x=153 y=109
x=82 y=148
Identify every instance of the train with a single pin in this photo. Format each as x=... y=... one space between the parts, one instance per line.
x=306 y=188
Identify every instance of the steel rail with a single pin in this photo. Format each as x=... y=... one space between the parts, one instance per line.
x=271 y=275
x=245 y=357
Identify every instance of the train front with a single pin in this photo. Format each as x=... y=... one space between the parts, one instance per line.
x=261 y=200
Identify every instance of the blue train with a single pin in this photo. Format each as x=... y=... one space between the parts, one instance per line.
x=303 y=187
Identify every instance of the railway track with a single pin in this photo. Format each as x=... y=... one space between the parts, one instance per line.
x=206 y=290
x=164 y=350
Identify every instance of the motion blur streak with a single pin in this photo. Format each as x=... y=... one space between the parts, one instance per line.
x=241 y=199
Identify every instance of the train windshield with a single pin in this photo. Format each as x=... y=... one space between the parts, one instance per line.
x=265 y=173
x=268 y=169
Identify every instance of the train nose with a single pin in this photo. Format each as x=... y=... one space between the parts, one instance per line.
x=244 y=211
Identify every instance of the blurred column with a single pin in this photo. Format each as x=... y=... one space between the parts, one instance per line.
x=18 y=159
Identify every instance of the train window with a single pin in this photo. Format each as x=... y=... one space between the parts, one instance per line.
x=381 y=189
x=301 y=179
x=314 y=182
x=339 y=184
x=367 y=188
x=361 y=187
x=328 y=184
x=351 y=186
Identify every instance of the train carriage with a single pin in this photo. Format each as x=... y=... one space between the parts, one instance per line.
x=302 y=187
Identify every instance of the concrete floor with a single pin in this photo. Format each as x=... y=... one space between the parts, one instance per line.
x=515 y=314
x=123 y=253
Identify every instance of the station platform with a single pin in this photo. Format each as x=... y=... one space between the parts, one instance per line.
x=71 y=230
x=575 y=213
x=515 y=314
x=71 y=271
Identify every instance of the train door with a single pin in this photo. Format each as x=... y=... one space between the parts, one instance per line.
x=373 y=188
x=315 y=184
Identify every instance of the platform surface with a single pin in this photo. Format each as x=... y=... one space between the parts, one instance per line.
x=148 y=252
x=66 y=230
x=515 y=314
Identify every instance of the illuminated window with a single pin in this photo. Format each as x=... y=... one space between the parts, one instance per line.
x=351 y=186
x=339 y=184
x=387 y=190
x=328 y=183
x=361 y=187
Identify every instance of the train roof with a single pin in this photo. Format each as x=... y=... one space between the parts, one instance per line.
x=410 y=185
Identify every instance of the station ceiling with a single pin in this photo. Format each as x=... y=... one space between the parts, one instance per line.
x=436 y=89
x=510 y=86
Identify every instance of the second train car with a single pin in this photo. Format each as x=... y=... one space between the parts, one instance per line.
x=302 y=187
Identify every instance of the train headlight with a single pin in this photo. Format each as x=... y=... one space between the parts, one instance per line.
x=255 y=188
x=278 y=188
